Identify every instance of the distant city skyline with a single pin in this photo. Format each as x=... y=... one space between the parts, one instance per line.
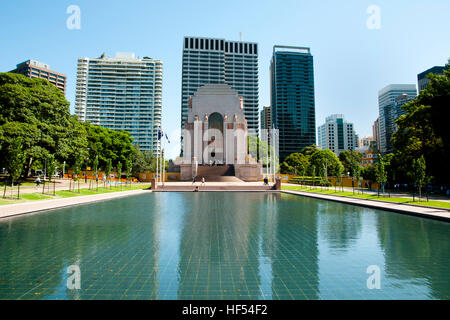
x=351 y=61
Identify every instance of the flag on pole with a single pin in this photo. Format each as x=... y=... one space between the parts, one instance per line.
x=168 y=141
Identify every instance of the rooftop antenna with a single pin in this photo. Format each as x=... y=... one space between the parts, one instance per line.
x=240 y=36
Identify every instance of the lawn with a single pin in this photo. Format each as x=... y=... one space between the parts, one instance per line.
x=69 y=194
x=432 y=203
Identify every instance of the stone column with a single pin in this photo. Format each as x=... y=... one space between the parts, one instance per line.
x=198 y=140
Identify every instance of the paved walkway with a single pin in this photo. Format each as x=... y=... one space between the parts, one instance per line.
x=426 y=212
x=213 y=186
x=41 y=205
x=393 y=193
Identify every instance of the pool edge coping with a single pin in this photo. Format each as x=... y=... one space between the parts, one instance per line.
x=87 y=199
x=381 y=205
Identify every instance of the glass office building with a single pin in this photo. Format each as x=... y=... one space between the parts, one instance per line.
x=292 y=98
x=209 y=60
x=422 y=79
x=122 y=93
x=390 y=100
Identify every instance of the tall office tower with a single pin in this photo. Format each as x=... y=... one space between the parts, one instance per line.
x=336 y=134
x=35 y=69
x=389 y=110
x=266 y=118
x=122 y=93
x=422 y=79
x=292 y=98
x=376 y=133
x=208 y=60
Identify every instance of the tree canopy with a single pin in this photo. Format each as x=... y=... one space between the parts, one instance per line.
x=423 y=129
x=37 y=113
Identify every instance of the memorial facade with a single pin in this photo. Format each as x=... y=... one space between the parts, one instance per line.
x=215 y=133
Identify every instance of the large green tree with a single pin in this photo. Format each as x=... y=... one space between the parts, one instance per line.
x=37 y=112
x=327 y=158
x=423 y=130
x=350 y=159
x=295 y=163
x=108 y=144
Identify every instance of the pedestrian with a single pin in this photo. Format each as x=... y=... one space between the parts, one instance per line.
x=193 y=179
x=37 y=181
x=203 y=181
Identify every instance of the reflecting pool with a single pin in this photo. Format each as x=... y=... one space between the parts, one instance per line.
x=223 y=245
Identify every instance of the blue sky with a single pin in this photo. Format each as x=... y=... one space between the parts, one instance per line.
x=351 y=61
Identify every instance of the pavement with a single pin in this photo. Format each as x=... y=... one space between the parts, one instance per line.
x=426 y=212
x=393 y=194
x=10 y=210
x=36 y=206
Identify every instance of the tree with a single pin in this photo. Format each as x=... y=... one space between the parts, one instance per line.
x=381 y=174
x=295 y=163
x=418 y=173
x=349 y=158
x=15 y=162
x=108 y=168
x=95 y=169
x=313 y=174
x=308 y=151
x=37 y=111
x=357 y=173
x=339 y=171
x=128 y=168
x=327 y=158
x=369 y=173
x=423 y=130
x=51 y=166
x=108 y=144
x=119 y=170
x=77 y=169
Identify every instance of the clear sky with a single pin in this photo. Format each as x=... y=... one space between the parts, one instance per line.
x=351 y=61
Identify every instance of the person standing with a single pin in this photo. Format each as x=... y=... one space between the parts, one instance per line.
x=37 y=181
x=203 y=181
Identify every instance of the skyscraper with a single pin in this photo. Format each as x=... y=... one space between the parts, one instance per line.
x=266 y=118
x=390 y=100
x=376 y=133
x=35 y=69
x=422 y=79
x=292 y=98
x=122 y=93
x=336 y=134
x=208 y=61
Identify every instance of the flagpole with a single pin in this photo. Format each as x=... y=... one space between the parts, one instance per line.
x=273 y=153
x=267 y=158
x=157 y=154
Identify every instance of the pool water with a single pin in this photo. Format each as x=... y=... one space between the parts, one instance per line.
x=223 y=245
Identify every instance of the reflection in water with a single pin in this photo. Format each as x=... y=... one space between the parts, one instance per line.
x=417 y=251
x=340 y=225
x=222 y=245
